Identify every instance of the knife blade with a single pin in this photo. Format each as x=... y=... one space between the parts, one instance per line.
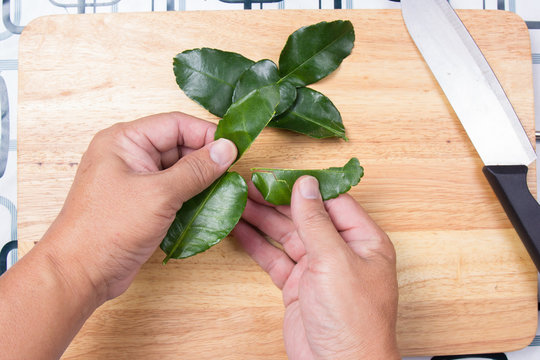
x=483 y=108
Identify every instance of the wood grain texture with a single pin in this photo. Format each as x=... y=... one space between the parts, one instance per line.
x=466 y=282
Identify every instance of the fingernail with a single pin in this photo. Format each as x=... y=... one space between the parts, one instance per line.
x=223 y=151
x=309 y=188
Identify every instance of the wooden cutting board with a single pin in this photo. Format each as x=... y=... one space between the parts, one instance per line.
x=466 y=283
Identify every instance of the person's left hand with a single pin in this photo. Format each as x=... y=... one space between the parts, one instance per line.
x=130 y=183
x=336 y=269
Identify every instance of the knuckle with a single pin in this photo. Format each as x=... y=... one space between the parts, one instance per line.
x=200 y=170
x=99 y=137
x=323 y=265
x=386 y=248
x=108 y=134
x=331 y=263
x=176 y=114
x=115 y=130
x=315 y=217
x=278 y=271
x=288 y=237
x=271 y=266
x=382 y=247
x=391 y=253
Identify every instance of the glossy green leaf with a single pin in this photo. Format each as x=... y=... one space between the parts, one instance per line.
x=313 y=52
x=206 y=218
x=247 y=117
x=209 y=76
x=276 y=185
x=312 y=114
x=261 y=74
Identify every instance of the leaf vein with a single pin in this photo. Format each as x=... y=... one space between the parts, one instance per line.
x=209 y=75
x=312 y=56
x=332 y=130
x=188 y=225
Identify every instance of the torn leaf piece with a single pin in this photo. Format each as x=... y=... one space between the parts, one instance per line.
x=208 y=76
x=261 y=74
x=248 y=116
x=274 y=190
x=207 y=218
x=313 y=52
x=312 y=114
x=276 y=185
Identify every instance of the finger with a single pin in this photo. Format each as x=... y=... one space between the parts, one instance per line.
x=347 y=214
x=169 y=130
x=170 y=157
x=313 y=224
x=285 y=210
x=290 y=289
x=146 y=144
x=357 y=228
x=256 y=196
x=271 y=259
x=195 y=172
x=276 y=225
x=186 y=150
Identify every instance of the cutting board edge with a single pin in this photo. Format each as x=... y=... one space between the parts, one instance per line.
x=241 y=11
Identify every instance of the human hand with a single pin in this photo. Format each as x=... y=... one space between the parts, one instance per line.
x=129 y=185
x=337 y=273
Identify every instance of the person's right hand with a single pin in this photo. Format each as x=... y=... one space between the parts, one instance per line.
x=337 y=273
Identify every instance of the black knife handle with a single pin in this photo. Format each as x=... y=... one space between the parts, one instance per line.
x=509 y=182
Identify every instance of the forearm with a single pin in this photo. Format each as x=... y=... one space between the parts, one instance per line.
x=44 y=302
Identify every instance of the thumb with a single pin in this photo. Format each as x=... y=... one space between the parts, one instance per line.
x=314 y=226
x=199 y=169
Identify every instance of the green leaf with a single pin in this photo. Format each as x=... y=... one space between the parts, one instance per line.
x=312 y=114
x=276 y=185
x=261 y=74
x=206 y=218
x=313 y=52
x=208 y=76
x=287 y=93
x=247 y=117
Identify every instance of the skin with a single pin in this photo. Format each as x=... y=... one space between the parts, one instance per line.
x=337 y=271
x=129 y=185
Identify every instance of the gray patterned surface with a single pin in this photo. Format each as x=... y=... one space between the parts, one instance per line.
x=17 y=13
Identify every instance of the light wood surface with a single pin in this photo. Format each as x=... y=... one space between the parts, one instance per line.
x=466 y=283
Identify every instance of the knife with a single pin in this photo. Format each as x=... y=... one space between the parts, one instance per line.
x=481 y=105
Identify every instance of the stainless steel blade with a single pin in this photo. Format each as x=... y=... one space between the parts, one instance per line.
x=468 y=82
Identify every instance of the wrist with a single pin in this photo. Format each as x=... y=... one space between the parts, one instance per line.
x=44 y=298
x=375 y=355
x=381 y=349
x=73 y=267
x=381 y=354
x=385 y=351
